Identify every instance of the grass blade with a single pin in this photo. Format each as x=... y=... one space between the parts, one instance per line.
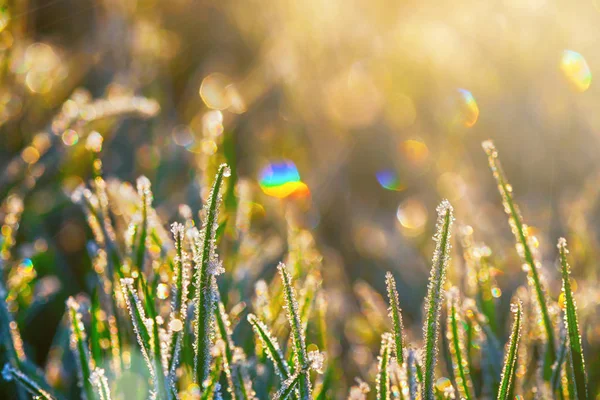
x=271 y=346
x=10 y=373
x=80 y=347
x=237 y=387
x=456 y=338
x=301 y=358
x=207 y=266
x=396 y=316
x=138 y=318
x=145 y=193
x=510 y=360
x=411 y=375
x=100 y=384
x=383 y=373
x=289 y=386
x=156 y=343
x=572 y=325
x=524 y=248
x=431 y=329
x=179 y=300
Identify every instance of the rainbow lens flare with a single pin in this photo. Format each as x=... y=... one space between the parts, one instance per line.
x=468 y=109
x=281 y=179
x=576 y=70
x=388 y=179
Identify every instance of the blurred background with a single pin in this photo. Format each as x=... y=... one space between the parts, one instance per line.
x=355 y=116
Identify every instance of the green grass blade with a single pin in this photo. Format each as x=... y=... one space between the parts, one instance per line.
x=237 y=386
x=271 y=346
x=431 y=329
x=179 y=300
x=9 y=331
x=207 y=267
x=155 y=344
x=138 y=319
x=510 y=360
x=456 y=340
x=95 y=328
x=289 y=386
x=396 y=316
x=80 y=347
x=299 y=342
x=525 y=250
x=555 y=383
x=383 y=373
x=572 y=325
x=100 y=384
x=145 y=193
x=10 y=373
x=212 y=382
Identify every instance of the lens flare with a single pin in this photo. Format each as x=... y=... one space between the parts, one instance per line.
x=576 y=70
x=388 y=179
x=281 y=180
x=468 y=109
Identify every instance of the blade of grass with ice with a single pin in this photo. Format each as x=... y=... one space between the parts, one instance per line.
x=456 y=341
x=138 y=319
x=156 y=343
x=524 y=248
x=207 y=266
x=299 y=343
x=383 y=373
x=234 y=374
x=271 y=346
x=572 y=325
x=289 y=386
x=10 y=373
x=411 y=375
x=100 y=383
x=79 y=346
x=179 y=299
x=510 y=359
x=396 y=316
x=431 y=329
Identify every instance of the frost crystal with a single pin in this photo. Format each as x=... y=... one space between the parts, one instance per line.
x=316 y=360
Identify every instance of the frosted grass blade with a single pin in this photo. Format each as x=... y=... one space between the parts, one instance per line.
x=79 y=345
x=179 y=300
x=456 y=341
x=270 y=346
x=383 y=373
x=572 y=325
x=100 y=383
x=301 y=358
x=234 y=374
x=431 y=329
x=289 y=386
x=524 y=248
x=207 y=266
x=510 y=359
x=396 y=316
x=10 y=373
